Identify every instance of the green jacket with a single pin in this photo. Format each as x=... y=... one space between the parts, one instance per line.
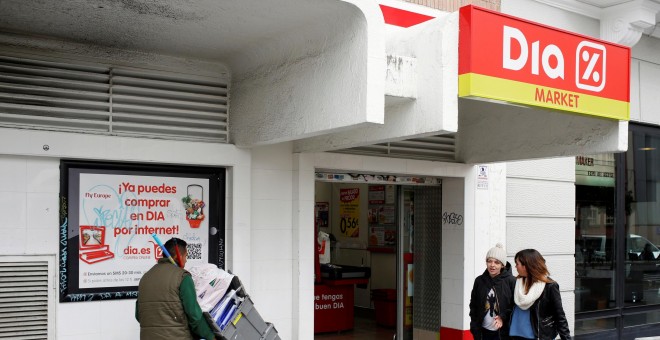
x=167 y=306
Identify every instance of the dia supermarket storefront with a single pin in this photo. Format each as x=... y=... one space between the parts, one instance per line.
x=440 y=112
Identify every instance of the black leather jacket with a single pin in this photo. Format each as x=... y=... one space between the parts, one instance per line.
x=548 y=317
x=504 y=285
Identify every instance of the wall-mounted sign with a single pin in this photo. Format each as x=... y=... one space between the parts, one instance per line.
x=110 y=211
x=482 y=177
x=349 y=212
x=597 y=170
x=322 y=214
x=514 y=60
x=375 y=179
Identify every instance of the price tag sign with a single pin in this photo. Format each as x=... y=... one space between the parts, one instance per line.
x=349 y=212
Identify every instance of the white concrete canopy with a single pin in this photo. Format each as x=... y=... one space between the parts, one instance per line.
x=201 y=29
x=491 y=131
x=325 y=77
x=299 y=68
x=424 y=58
x=312 y=71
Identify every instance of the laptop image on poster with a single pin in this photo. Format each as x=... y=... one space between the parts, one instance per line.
x=92 y=244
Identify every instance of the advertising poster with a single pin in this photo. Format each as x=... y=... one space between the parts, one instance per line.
x=376 y=236
x=322 y=214
x=349 y=212
x=381 y=215
x=390 y=194
x=118 y=215
x=376 y=194
x=110 y=212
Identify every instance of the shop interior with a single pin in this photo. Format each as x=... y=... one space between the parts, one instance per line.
x=371 y=231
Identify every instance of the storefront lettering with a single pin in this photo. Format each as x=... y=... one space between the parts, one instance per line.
x=510 y=34
x=600 y=174
x=587 y=161
x=149 y=203
x=329 y=301
x=140 y=188
x=150 y=216
x=556 y=97
x=348 y=195
x=97 y=195
x=147 y=230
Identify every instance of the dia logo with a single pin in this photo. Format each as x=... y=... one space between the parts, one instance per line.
x=590 y=66
x=543 y=56
x=590 y=59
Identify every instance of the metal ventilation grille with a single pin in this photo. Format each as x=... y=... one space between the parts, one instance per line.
x=37 y=94
x=435 y=148
x=23 y=300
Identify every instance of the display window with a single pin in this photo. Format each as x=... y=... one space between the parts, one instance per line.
x=617 y=240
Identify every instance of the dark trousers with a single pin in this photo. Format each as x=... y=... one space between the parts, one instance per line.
x=487 y=334
x=518 y=338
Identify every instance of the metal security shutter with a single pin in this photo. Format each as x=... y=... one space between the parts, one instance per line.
x=102 y=99
x=24 y=300
x=435 y=148
x=428 y=258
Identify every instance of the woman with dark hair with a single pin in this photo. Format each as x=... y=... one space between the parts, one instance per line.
x=538 y=313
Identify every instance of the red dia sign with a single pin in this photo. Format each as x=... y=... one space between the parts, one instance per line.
x=510 y=59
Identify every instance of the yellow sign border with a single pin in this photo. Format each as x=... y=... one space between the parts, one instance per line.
x=478 y=85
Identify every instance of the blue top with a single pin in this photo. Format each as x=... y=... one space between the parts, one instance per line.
x=521 y=323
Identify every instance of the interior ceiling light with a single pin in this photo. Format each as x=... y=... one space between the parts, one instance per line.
x=646 y=149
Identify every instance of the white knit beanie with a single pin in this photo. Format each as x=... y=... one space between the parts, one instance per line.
x=498 y=253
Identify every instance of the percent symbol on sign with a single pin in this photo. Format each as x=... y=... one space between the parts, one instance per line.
x=589 y=71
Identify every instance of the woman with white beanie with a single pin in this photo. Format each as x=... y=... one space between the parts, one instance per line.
x=538 y=313
x=491 y=301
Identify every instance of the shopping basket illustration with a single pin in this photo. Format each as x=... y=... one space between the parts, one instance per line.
x=194 y=206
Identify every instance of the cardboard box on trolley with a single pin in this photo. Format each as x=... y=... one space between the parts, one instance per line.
x=245 y=322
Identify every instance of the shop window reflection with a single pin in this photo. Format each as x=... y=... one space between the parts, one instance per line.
x=617 y=238
x=588 y=326
x=595 y=260
x=642 y=284
x=641 y=319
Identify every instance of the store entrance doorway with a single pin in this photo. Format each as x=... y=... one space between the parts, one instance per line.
x=381 y=242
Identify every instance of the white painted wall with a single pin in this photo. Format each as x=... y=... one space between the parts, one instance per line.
x=552 y=16
x=454 y=241
x=271 y=251
x=648 y=87
x=29 y=195
x=540 y=211
x=635 y=112
x=644 y=85
x=484 y=227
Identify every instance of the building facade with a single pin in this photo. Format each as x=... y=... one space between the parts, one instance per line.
x=278 y=99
